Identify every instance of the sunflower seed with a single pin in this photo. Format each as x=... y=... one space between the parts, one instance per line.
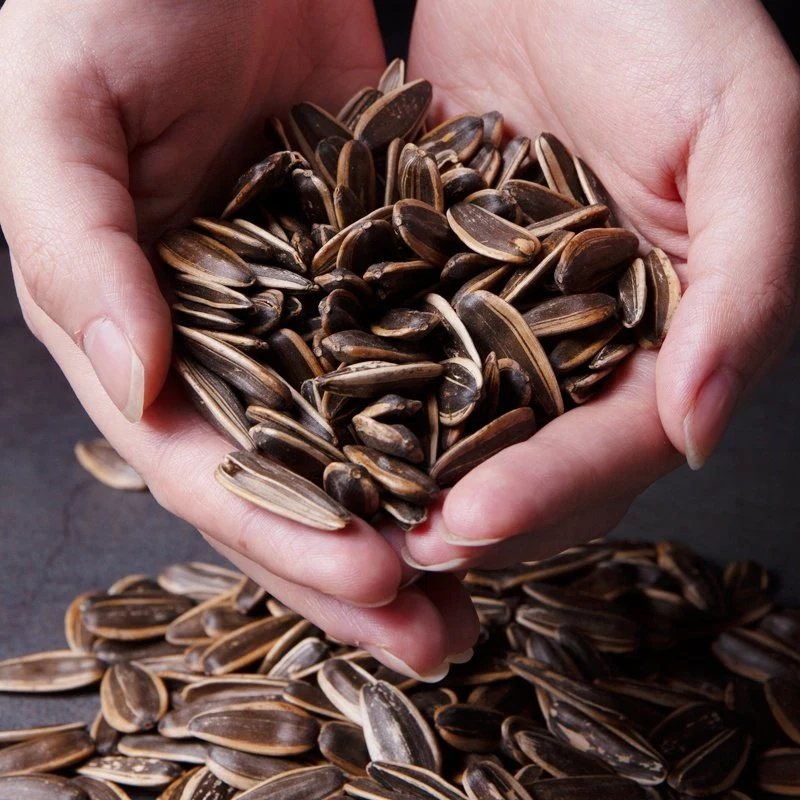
x=51 y=671
x=143 y=772
x=778 y=771
x=40 y=787
x=398 y=114
x=394 y=475
x=201 y=256
x=133 y=698
x=663 y=295
x=100 y=790
x=277 y=489
x=51 y=751
x=267 y=727
x=104 y=464
x=489 y=235
x=308 y=783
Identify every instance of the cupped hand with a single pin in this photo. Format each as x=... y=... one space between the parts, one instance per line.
x=689 y=113
x=115 y=119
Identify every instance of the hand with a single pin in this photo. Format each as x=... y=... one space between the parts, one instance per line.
x=115 y=120
x=689 y=113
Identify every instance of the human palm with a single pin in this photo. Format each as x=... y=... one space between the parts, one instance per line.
x=689 y=117
x=116 y=120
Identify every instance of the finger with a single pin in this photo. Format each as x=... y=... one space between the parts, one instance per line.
x=410 y=635
x=605 y=451
x=431 y=549
x=177 y=452
x=70 y=223
x=455 y=605
x=741 y=306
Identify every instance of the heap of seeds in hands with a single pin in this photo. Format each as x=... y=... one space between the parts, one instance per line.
x=613 y=671
x=380 y=308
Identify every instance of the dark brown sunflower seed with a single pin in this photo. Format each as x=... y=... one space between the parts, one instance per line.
x=356 y=171
x=326 y=257
x=461 y=182
x=174 y=790
x=413 y=780
x=593 y=189
x=133 y=617
x=201 y=256
x=538 y=202
x=208 y=292
x=326 y=157
x=755 y=655
x=425 y=231
x=368 y=242
x=355 y=107
x=594 y=257
x=15 y=735
x=406 y=515
x=267 y=727
x=282 y=253
x=663 y=296
x=515 y=426
x=391 y=174
x=395 y=279
x=713 y=768
x=406 y=324
x=152 y=746
x=347 y=207
x=240 y=241
x=462 y=133
x=611 y=354
x=487 y=280
x=311 y=124
x=488 y=162
x=558 y=758
x=490 y=235
x=277 y=489
x=778 y=771
x=419 y=178
x=99 y=790
x=557 y=165
x=133 y=698
x=215 y=401
x=231 y=686
x=527 y=277
x=49 y=752
x=306 y=454
x=343 y=744
x=374 y=378
x=576 y=220
x=498 y=327
x=459 y=391
x=314 y=197
x=262 y=178
x=587 y=788
x=513 y=155
x=256 y=381
x=394 y=475
x=485 y=780
x=204 y=785
x=305 y=783
x=244 y=770
x=514 y=390
x=350 y=347
x=394 y=439
x=783 y=697
x=626 y=751
x=106 y=465
x=305 y=654
x=398 y=114
x=632 y=292
x=492 y=123
x=40 y=787
x=148 y=773
x=351 y=486
x=582 y=346
x=341 y=310
x=395 y=730
x=472 y=729
x=569 y=313
x=341 y=681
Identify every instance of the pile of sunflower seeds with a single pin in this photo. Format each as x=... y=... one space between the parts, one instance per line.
x=379 y=307
x=620 y=670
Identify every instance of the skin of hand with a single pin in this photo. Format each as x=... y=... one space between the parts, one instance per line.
x=115 y=119
x=690 y=114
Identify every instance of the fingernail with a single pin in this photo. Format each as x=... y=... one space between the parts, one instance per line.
x=117 y=366
x=379 y=604
x=444 y=566
x=459 y=541
x=706 y=421
x=398 y=665
x=462 y=657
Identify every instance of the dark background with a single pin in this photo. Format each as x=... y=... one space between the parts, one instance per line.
x=62 y=533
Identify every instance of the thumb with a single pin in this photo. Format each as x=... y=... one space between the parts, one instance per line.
x=739 y=312
x=71 y=226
